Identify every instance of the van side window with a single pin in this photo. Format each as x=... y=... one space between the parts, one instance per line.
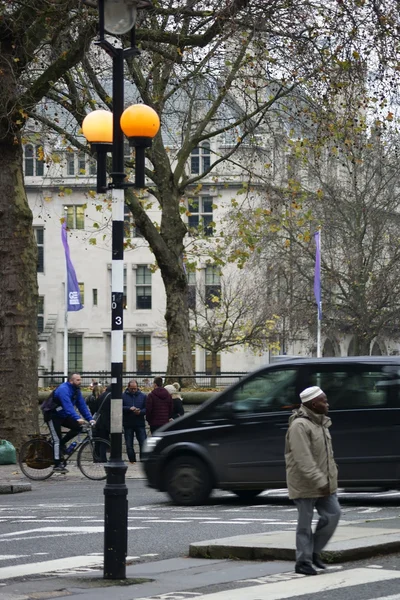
x=348 y=388
x=269 y=391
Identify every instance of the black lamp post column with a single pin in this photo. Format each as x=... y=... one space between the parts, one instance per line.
x=139 y=123
x=115 y=491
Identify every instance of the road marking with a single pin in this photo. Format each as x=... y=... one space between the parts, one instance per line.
x=174 y=596
x=305 y=586
x=10 y=556
x=225 y=523
x=71 y=530
x=48 y=566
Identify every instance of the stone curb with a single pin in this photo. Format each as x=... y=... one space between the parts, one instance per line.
x=14 y=488
x=336 y=552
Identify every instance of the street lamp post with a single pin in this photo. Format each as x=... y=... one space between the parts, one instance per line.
x=105 y=132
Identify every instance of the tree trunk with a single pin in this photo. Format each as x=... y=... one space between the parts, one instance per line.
x=178 y=328
x=18 y=299
x=168 y=248
x=214 y=369
x=362 y=345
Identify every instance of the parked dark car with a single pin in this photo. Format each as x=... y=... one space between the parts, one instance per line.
x=235 y=441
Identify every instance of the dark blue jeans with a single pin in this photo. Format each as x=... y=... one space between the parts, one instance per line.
x=130 y=433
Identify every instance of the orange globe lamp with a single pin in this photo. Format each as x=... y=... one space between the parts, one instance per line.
x=97 y=127
x=140 y=123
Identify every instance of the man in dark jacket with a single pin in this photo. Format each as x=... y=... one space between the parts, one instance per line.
x=103 y=416
x=134 y=410
x=159 y=406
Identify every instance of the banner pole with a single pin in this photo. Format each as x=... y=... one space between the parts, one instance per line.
x=66 y=324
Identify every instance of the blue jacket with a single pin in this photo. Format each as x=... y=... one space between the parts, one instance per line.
x=70 y=397
x=138 y=400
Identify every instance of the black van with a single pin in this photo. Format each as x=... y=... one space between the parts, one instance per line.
x=235 y=441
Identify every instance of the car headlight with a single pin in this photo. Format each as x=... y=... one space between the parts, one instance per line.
x=150 y=443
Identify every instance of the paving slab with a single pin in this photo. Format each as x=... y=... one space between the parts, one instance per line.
x=348 y=543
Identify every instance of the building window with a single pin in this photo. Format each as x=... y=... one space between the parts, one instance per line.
x=192 y=290
x=124 y=354
x=209 y=364
x=81 y=163
x=75 y=354
x=94 y=296
x=34 y=163
x=70 y=163
x=39 y=236
x=92 y=166
x=40 y=314
x=130 y=229
x=201 y=214
x=143 y=287
x=75 y=216
x=82 y=292
x=292 y=167
x=200 y=159
x=143 y=354
x=212 y=286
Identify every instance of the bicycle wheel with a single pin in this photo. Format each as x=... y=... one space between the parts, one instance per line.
x=36 y=459
x=92 y=456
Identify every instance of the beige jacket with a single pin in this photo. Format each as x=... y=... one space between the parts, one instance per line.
x=310 y=465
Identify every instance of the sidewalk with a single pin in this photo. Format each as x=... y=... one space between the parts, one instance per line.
x=13 y=481
x=218 y=579
x=351 y=541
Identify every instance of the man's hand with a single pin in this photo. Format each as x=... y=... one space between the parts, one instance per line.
x=81 y=421
x=92 y=422
x=325 y=491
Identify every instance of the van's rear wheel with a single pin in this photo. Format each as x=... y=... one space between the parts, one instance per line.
x=188 y=481
x=247 y=495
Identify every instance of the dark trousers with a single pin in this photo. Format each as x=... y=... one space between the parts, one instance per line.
x=130 y=433
x=59 y=441
x=100 y=450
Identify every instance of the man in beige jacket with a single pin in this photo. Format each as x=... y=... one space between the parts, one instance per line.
x=312 y=478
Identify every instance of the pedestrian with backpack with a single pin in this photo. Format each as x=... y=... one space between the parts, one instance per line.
x=60 y=410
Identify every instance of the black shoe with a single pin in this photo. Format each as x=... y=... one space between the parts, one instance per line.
x=60 y=469
x=305 y=569
x=318 y=562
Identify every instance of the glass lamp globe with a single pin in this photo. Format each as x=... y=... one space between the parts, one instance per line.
x=140 y=121
x=97 y=127
x=119 y=16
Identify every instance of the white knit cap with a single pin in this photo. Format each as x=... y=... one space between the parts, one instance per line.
x=310 y=393
x=170 y=389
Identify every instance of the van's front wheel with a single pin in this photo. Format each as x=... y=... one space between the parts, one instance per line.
x=188 y=481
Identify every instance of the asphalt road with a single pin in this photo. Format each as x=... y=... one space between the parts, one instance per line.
x=62 y=518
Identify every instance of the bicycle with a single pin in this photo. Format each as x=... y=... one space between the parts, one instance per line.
x=36 y=456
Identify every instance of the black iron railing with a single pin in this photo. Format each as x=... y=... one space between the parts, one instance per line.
x=200 y=380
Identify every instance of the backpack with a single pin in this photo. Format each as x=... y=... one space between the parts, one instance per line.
x=51 y=402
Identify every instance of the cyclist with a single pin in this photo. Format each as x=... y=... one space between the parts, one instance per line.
x=67 y=398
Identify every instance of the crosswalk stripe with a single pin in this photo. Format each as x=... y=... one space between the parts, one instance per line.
x=48 y=566
x=304 y=586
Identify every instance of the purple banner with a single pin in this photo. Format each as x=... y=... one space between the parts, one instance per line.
x=317 y=273
x=74 y=294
